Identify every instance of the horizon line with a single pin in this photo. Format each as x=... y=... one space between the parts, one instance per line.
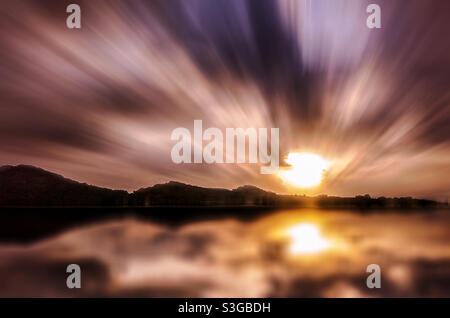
x=2 y=167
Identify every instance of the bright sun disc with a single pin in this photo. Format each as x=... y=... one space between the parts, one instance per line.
x=307 y=169
x=306 y=239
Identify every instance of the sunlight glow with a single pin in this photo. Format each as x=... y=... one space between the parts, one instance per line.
x=307 y=169
x=306 y=239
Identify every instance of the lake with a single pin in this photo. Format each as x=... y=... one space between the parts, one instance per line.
x=285 y=253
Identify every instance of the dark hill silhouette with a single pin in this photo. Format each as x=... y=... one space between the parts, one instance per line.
x=30 y=186
x=180 y=194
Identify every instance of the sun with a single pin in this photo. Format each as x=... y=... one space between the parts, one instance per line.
x=307 y=169
x=306 y=239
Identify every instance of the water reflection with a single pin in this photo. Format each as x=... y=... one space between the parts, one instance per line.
x=306 y=239
x=229 y=258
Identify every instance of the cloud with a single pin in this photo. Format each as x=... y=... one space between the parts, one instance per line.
x=95 y=102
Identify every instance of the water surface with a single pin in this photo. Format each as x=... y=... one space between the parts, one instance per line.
x=232 y=258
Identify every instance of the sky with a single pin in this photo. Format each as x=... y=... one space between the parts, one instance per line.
x=99 y=104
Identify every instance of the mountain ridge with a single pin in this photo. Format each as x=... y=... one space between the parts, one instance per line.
x=26 y=185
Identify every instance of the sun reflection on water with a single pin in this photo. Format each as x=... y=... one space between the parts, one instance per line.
x=307 y=239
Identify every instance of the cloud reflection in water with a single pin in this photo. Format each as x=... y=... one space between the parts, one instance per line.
x=228 y=258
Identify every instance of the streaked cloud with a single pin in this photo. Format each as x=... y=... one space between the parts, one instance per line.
x=99 y=104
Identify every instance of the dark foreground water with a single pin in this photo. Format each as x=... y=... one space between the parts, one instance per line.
x=268 y=256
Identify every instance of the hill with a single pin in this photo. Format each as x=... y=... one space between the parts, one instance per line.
x=28 y=186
